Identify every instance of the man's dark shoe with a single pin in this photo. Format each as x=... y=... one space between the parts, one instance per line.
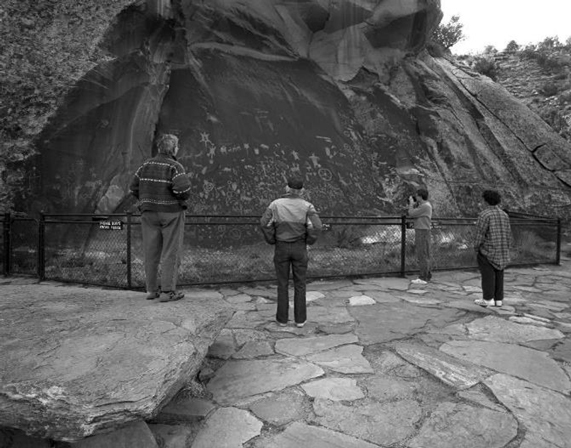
x=170 y=296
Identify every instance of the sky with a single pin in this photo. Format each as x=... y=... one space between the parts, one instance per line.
x=497 y=22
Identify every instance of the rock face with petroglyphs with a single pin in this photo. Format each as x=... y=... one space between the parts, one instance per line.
x=341 y=92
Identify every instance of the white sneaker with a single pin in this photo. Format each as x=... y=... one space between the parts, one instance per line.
x=484 y=303
x=419 y=281
x=300 y=325
x=281 y=324
x=499 y=303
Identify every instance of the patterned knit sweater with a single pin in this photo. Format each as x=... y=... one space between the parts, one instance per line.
x=161 y=185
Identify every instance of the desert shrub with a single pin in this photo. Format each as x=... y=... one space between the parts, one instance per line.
x=486 y=66
x=491 y=50
x=549 y=43
x=552 y=63
x=512 y=47
x=555 y=118
x=565 y=97
x=449 y=34
x=548 y=58
x=550 y=88
x=528 y=52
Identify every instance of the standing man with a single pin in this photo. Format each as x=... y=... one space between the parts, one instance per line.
x=296 y=225
x=421 y=210
x=492 y=245
x=161 y=186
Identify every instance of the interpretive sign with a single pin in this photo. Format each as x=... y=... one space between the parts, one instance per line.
x=111 y=225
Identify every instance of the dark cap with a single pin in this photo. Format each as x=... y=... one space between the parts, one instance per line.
x=295 y=182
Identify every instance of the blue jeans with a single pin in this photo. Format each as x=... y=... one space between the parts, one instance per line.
x=492 y=279
x=162 y=240
x=292 y=255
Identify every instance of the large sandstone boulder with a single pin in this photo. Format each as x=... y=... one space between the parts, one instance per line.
x=340 y=92
x=78 y=362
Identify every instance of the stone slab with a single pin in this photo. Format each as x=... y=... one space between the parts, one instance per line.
x=184 y=410
x=494 y=429
x=386 y=322
x=134 y=435
x=384 y=424
x=334 y=389
x=228 y=428
x=174 y=436
x=281 y=409
x=237 y=380
x=453 y=371
x=302 y=435
x=495 y=329
x=522 y=362
x=345 y=359
x=78 y=362
x=307 y=346
x=544 y=413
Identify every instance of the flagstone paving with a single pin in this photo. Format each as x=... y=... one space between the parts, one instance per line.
x=384 y=363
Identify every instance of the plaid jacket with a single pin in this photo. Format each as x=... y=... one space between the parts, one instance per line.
x=161 y=185
x=493 y=236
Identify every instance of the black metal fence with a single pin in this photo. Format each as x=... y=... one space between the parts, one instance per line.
x=107 y=250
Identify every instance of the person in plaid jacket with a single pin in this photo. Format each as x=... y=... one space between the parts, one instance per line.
x=492 y=242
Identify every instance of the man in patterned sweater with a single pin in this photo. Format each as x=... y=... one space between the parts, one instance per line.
x=492 y=245
x=161 y=186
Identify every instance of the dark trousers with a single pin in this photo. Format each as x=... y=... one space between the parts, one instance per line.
x=492 y=279
x=292 y=255
x=422 y=248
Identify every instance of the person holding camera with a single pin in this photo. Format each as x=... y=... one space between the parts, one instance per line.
x=421 y=211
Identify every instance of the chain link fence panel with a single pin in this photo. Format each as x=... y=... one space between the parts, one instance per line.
x=89 y=251
x=24 y=246
x=4 y=244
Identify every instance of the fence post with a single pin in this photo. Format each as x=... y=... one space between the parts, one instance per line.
x=42 y=248
x=558 y=253
x=403 y=246
x=129 y=222
x=7 y=244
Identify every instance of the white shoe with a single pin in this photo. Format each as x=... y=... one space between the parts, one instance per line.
x=419 y=281
x=499 y=303
x=484 y=303
x=300 y=325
